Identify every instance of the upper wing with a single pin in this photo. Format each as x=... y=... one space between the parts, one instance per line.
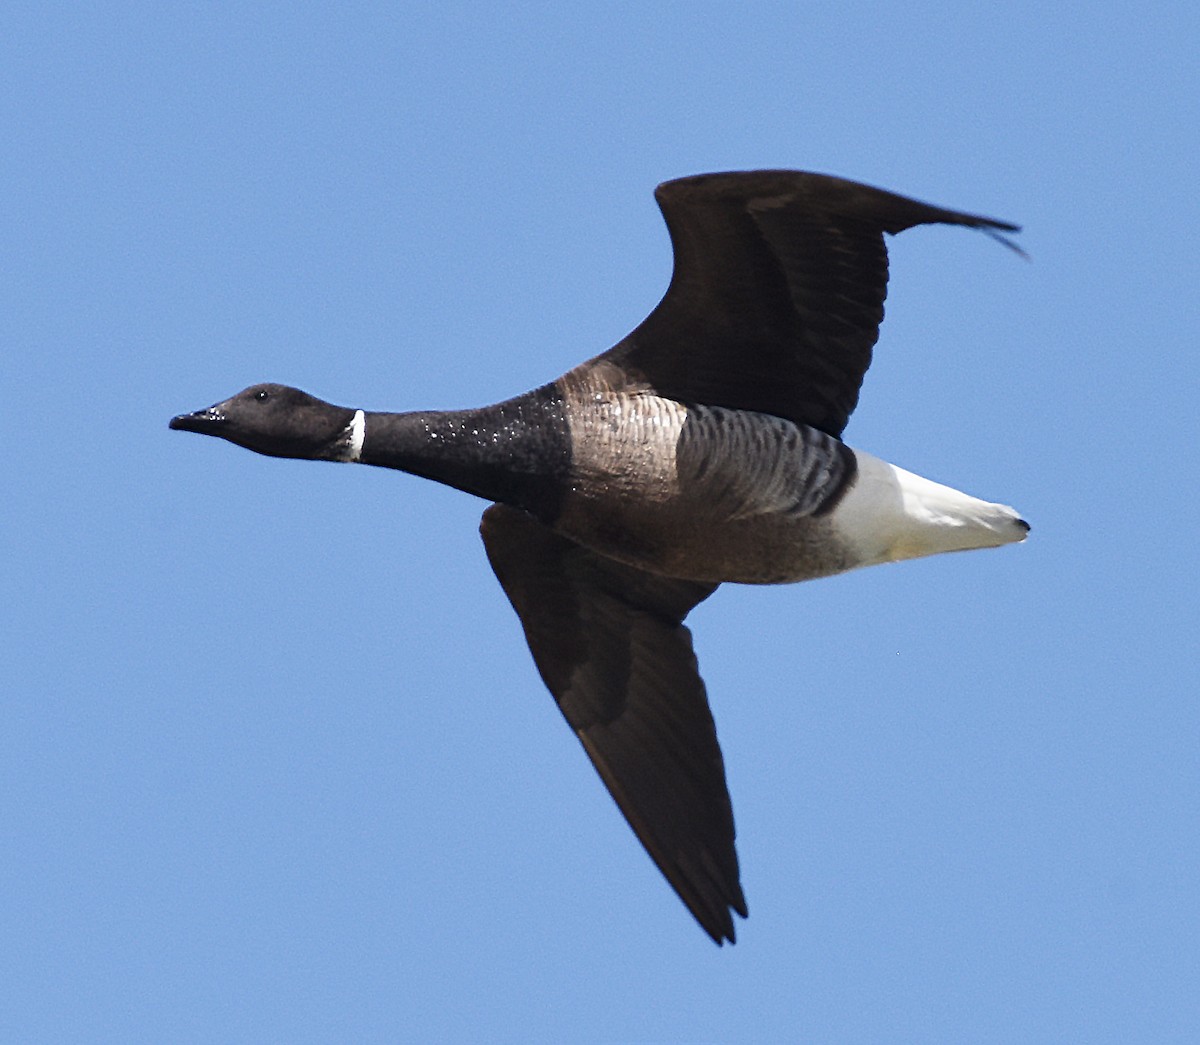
x=609 y=643
x=777 y=294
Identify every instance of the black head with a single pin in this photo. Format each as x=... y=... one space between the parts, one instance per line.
x=275 y=420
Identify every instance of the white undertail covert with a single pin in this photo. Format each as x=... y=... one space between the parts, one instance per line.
x=890 y=514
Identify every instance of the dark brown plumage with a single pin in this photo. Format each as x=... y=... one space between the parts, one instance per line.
x=704 y=447
x=610 y=644
x=777 y=294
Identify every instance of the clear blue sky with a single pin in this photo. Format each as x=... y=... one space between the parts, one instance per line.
x=275 y=765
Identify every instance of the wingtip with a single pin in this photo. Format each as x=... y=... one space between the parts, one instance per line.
x=996 y=230
x=718 y=923
x=726 y=934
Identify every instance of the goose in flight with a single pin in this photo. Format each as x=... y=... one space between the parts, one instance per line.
x=704 y=447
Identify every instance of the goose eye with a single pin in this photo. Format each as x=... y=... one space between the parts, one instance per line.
x=262 y=394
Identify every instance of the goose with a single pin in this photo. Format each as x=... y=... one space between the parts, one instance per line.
x=704 y=448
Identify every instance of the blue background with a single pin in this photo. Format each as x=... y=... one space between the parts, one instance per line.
x=275 y=764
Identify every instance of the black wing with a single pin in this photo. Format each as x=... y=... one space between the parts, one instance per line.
x=777 y=294
x=609 y=642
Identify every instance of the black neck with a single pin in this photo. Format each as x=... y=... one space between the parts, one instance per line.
x=517 y=452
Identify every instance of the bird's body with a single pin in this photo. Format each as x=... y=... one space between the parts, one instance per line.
x=716 y=495
x=704 y=448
